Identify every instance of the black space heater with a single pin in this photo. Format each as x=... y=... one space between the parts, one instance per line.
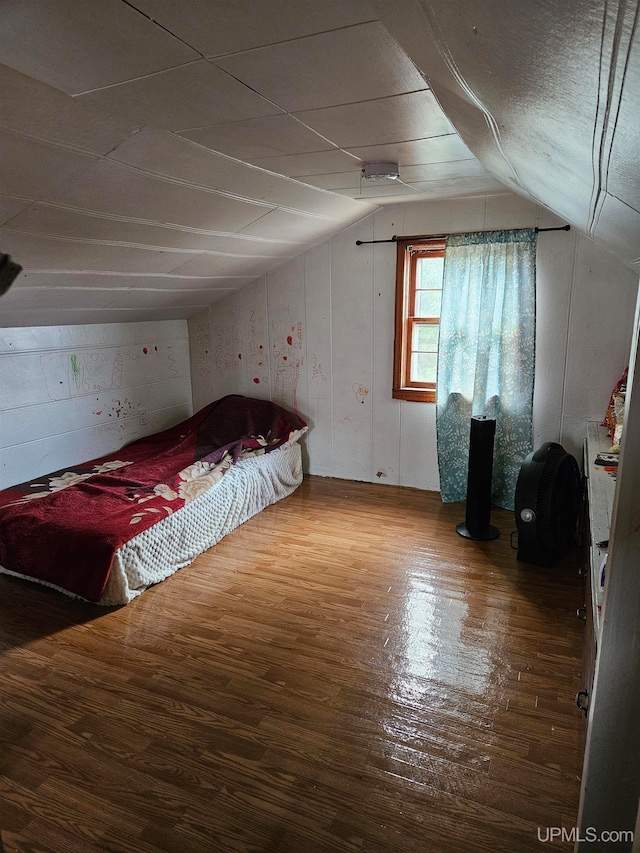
x=548 y=504
x=478 y=515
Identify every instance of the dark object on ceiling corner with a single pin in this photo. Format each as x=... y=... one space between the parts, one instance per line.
x=548 y=504
x=9 y=271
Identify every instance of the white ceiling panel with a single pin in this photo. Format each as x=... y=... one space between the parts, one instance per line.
x=336 y=180
x=380 y=190
x=290 y=226
x=163 y=299
x=408 y=174
x=623 y=176
x=125 y=281
x=11 y=206
x=437 y=149
x=300 y=165
x=442 y=171
x=173 y=156
x=82 y=316
x=278 y=103
x=269 y=136
x=416 y=115
x=32 y=107
x=49 y=220
x=98 y=298
x=111 y=188
x=227 y=26
x=219 y=265
x=618 y=226
x=77 y=46
x=32 y=168
x=340 y=67
x=57 y=253
x=452 y=187
x=195 y=95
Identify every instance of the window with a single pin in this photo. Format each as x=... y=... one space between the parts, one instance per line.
x=419 y=270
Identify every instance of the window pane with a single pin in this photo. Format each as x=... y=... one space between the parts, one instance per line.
x=429 y=273
x=428 y=303
x=423 y=366
x=425 y=338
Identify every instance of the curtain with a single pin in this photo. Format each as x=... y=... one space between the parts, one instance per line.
x=486 y=355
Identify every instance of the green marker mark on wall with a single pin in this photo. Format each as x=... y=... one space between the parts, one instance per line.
x=74 y=366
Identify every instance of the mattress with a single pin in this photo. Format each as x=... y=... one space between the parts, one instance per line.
x=175 y=541
x=69 y=529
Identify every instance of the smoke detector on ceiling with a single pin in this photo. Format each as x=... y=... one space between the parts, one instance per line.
x=380 y=172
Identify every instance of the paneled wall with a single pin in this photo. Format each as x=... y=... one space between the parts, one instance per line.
x=317 y=336
x=72 y=393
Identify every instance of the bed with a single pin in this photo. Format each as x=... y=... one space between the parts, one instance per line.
x=110 y=528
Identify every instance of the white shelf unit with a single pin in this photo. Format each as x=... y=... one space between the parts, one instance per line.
x=601 y=487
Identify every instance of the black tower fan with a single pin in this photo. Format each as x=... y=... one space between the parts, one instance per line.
x=548 y=504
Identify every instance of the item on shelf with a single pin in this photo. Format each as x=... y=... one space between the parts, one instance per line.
x=607 y=459
x=614 y=417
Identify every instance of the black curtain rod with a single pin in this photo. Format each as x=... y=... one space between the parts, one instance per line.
x=394 y=239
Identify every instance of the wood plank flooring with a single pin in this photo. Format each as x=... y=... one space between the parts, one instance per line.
x=342 y=673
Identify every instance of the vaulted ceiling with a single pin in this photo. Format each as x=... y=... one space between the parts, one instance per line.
x=158 y=155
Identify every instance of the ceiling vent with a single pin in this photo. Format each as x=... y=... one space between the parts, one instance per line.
x=380 y=172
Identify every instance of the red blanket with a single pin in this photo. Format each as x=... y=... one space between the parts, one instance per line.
x=66 y=527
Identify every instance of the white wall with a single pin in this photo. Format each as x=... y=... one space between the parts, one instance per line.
x=69 y=394
x=336 y=303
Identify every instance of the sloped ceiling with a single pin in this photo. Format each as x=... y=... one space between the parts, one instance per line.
x=158 y=155
x=546 y=94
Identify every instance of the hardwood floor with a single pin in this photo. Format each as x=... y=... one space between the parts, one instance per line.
x=342 y=673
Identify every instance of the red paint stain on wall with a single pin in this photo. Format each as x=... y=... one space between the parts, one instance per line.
x=144 y=350
x=256 y=380
x=289 y=340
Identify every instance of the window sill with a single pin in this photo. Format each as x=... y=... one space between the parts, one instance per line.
x=414 y=395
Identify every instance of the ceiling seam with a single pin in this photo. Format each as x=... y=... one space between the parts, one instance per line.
x=225 y=193
x=143 y=246
x=168 y=179
x=158 y=24
x=447 y=57
x=293 y=113
x=250 y=49
x=604 y=127
x=135 y=79
x=131 y=289
x=125 y=274
x=154 y=223
x=246 y=50
x=406 y=165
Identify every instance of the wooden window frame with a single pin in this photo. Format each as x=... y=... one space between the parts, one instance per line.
x=406 y=265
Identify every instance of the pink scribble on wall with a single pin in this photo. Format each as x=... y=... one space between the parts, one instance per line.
x=287 y=364
x=361 y=392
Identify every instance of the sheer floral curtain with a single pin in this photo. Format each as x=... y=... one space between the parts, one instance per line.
x=486 y=355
